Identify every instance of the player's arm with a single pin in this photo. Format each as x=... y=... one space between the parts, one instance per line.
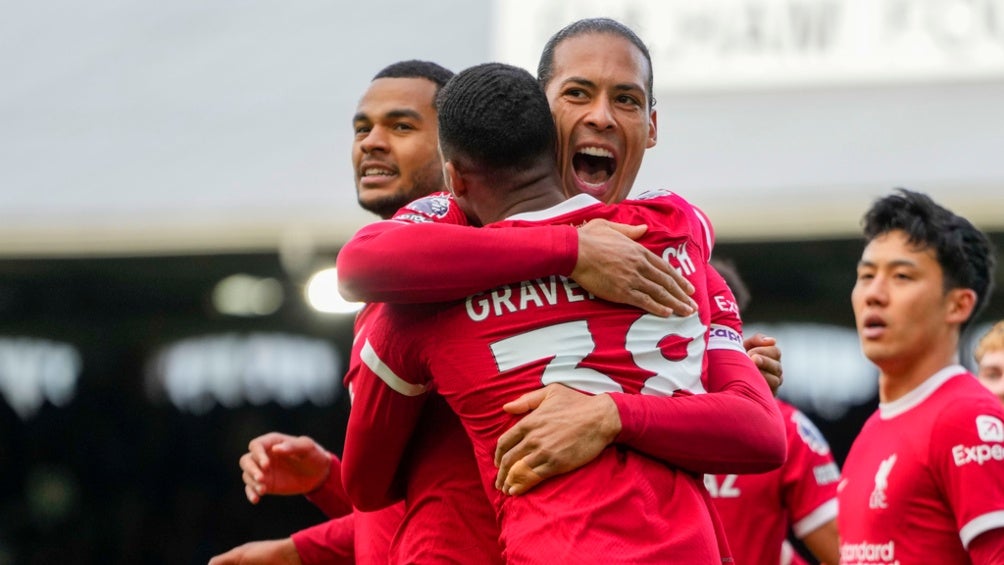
x=809 y=486
x=267 y=552
x=736 y=429
x=824 y=543
x=328 y=543
x=330 y=495
x=385 y=409
x=404 y=261
x=972 y=483
x=331 y=542
x=988 y=548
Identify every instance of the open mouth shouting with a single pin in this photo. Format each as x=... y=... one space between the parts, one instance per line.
x=594 y=168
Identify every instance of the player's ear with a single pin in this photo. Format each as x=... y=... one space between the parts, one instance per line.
x=653 y=129
x=454 y=180
x=960 y=303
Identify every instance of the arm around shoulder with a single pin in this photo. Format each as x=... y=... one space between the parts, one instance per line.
x=398 y=262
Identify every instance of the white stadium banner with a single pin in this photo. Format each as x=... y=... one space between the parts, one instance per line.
x=755 y=44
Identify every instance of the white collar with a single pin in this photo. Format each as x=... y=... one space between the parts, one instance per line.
x=577 y=202
x=916 y=396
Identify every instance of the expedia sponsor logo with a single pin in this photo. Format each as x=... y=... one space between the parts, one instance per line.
x=724 y=337
x=990 y=428
x=978 y=454
x=868 y=553
x=726 y=305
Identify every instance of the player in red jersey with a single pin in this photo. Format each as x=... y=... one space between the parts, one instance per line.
x=924 y=479
x=624 y=506
x=757 y=510
x=598 y=77
x=396 y=160
x=989 y=356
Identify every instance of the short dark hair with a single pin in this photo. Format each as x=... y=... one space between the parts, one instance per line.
x=414 y=68
x=545 y=68
x=965 y=253
x=495 y=116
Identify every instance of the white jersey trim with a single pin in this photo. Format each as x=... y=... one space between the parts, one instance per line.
x=979 y=525
x=826 y=512
x=575 y=203
x=918 y=395
x=370 y=358
x=724 y=337
x=706 y=224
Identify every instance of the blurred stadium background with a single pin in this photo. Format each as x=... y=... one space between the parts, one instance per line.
x=172 y=175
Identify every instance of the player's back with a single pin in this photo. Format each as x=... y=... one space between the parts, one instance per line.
x=495 y=346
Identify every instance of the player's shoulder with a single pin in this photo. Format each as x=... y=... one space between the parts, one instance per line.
x=439 y=207
x=964 y=397
x=659 y=197
x=666 y=201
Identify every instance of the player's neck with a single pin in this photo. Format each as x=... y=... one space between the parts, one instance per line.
x=897 y=377
x=535 y=193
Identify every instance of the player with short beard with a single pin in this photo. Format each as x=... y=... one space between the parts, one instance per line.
x=396 y=160
x=625 y=505
x=597 y=75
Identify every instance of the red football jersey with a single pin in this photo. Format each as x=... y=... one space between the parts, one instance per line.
x=758 y=509
x=492 y=347
x=397 y=261
x=925 y=476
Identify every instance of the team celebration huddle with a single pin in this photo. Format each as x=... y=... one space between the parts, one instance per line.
x=547 y=371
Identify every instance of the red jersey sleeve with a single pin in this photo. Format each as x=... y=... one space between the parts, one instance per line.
x=386 y=406
x=737 y=429
x=427 y=253
x=328 y=543
x=330 y=496
x=809 y=476
x=967 y=455
x=988 y=548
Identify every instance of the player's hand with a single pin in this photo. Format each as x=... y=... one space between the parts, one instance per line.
x=282 y=464
x=272 y=552
x=612 y=266
x=564 y=430
x=766 y=354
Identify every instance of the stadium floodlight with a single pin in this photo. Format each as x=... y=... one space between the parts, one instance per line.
x=322 y=294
